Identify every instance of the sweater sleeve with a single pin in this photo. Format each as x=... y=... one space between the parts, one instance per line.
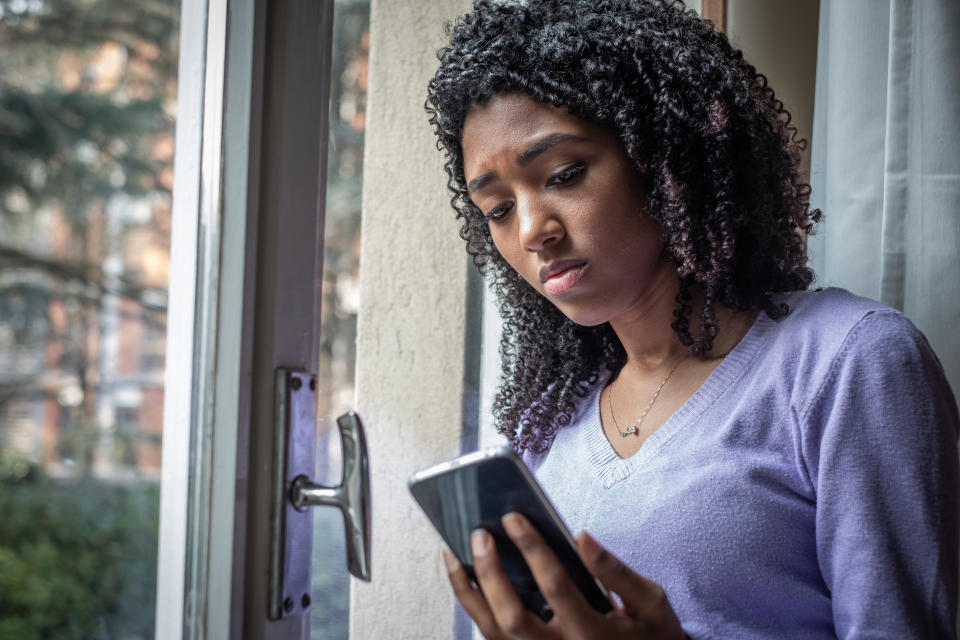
x=880 y=447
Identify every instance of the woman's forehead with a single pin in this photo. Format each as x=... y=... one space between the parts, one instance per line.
x=514 y=112
x=507 y=123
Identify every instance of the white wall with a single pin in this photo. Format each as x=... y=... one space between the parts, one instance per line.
x=410 y=355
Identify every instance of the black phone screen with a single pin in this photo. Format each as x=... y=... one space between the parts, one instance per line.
x=477 y=495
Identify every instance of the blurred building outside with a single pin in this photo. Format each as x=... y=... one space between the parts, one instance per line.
x=86 y=174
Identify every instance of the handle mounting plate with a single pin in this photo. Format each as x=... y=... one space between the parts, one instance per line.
x=291 y=553
x=291 y=529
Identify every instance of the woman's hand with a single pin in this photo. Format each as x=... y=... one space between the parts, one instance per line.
x=498 y=612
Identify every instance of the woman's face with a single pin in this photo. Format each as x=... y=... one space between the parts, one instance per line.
x=566 y=209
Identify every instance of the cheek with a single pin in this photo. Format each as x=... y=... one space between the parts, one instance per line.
x=499 y=242
x=636 y=246
x=508 y=250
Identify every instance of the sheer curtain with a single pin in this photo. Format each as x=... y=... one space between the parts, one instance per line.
x=885 y=165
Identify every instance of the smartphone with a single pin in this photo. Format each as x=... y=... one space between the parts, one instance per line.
x=475 y=491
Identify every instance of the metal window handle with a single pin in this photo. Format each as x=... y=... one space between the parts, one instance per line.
x=295 y=455
x=352 y=497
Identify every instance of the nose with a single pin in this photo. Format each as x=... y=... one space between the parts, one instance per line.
x=539 y=225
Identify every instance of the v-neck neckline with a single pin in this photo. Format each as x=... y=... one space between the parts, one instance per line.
x=603 y=458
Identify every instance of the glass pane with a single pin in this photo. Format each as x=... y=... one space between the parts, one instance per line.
x=338 y=328
x=87 y=105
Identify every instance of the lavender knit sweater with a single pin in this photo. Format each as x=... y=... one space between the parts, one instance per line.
x=809 y=489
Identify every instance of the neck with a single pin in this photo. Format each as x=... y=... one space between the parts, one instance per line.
x=647 y=335
x=644 y=329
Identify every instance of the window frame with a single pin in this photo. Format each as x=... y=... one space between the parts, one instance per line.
x=246 y=254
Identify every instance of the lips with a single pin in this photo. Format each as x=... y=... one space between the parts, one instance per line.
x=561 y=276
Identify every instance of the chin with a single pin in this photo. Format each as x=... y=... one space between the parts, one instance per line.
x=584 y=317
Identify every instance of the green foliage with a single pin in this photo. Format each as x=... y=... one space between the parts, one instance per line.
x=75 y=143
x=77 y=560
x=60 y=145
x=15 y=467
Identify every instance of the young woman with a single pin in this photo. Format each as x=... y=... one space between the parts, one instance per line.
x=751 y=459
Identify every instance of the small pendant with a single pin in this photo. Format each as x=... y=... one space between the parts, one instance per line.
x=629 y=432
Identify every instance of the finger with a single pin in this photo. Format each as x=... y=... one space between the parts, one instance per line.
x=640 y=596
x=508 y=610
x=571 y=610
x=470 y=598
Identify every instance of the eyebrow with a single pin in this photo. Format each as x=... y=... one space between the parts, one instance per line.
x=526 y=156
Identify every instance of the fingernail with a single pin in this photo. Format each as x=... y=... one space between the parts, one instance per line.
x=514 y=524
x=480 y=543
x=450 y=560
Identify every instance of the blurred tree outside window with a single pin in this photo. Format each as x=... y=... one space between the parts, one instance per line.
x=87 y=108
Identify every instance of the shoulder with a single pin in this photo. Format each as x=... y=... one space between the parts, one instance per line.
x=833 y=342
x=829 y=312
x=826 y=328
x=842 y=327
x=849 y=350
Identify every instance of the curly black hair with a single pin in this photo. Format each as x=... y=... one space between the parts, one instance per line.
x=715 y=148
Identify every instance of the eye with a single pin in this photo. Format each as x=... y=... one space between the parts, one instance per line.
x=567 y=175
x=498 y=213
